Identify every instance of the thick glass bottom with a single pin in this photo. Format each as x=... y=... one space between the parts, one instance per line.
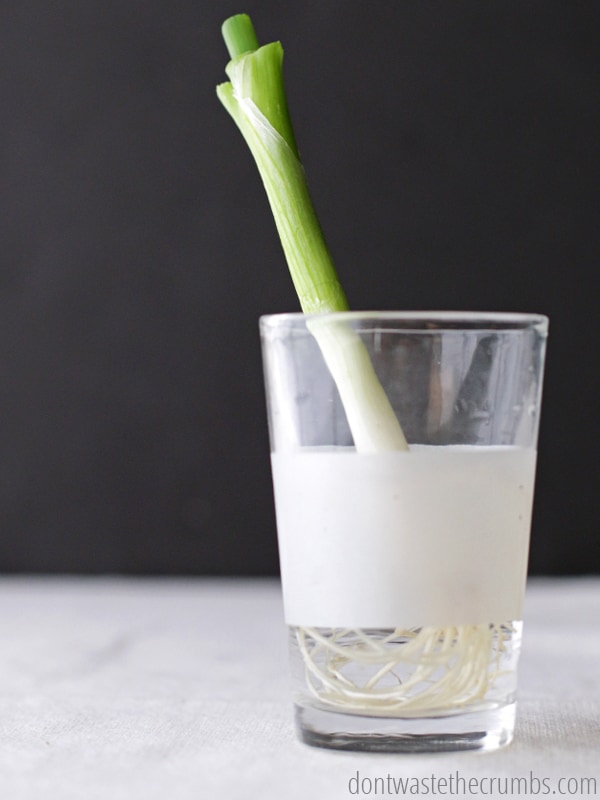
x=484 y=730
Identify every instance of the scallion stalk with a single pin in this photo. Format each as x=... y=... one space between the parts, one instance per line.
x=456 y=664
x=255 y=98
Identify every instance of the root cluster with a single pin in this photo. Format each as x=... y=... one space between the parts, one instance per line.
x=402 y=671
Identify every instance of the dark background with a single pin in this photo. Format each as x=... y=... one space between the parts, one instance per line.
x=452 y=153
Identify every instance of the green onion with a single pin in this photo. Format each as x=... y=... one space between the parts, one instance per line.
x=255 y=97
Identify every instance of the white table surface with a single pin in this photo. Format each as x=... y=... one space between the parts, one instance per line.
x=178 y=688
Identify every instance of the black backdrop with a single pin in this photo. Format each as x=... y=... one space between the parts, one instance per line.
x=452 y=153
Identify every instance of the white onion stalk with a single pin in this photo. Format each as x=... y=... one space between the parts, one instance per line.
x=370 y=416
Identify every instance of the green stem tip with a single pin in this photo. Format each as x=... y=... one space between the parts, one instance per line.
x=239 y=35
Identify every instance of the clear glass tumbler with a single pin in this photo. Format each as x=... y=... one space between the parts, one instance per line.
x=403 y=458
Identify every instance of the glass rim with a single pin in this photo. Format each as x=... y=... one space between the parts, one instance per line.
x=422 y=321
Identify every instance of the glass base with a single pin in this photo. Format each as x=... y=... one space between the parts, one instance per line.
x=483 y=730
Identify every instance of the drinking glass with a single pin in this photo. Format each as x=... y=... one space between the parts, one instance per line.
x=403 y=461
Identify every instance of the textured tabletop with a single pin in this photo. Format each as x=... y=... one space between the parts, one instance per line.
x=160 y=688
